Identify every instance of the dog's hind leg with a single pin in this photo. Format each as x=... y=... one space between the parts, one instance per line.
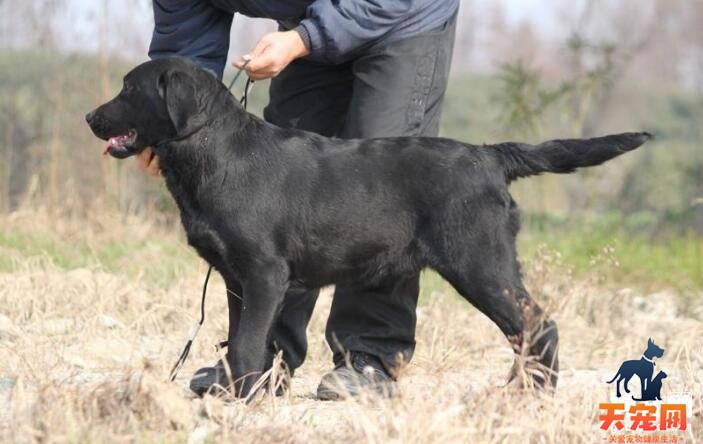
x=617 y=386
x=618 y=378
x=533 y=337
x=625 y=382
x=537 y=345
x=485 y=271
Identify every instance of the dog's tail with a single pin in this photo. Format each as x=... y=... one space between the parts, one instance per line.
x=614 y=378
x=566 y=155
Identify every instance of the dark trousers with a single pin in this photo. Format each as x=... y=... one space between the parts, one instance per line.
x=394 y=89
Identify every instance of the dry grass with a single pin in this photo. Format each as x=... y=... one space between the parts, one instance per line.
x=85 y=354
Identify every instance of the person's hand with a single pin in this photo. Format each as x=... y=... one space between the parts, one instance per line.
x=273 y=53
x=148 y=162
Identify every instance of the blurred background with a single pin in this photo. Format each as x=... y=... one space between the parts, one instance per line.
x=98 y=285
x=523 y=70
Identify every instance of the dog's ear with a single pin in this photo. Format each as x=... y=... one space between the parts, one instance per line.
x=183 y=104
x=650 y=342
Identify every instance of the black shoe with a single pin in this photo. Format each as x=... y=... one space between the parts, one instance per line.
x=214 y=380
x=365 y=373
x=211 y=380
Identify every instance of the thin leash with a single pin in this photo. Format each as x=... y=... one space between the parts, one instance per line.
x=193 y=331
x=196 y=328
x=247 y=86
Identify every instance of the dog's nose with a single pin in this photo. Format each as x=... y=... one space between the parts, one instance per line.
x=89 y=116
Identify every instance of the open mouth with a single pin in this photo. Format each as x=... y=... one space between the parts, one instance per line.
x=121 y=146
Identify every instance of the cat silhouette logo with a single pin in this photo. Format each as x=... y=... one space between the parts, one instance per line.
x=644 y=369
x=636 y=418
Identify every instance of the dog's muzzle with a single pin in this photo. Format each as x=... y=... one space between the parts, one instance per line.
x=122 y=146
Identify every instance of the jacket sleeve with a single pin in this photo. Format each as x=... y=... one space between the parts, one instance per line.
x=193 y=29
x=333 y=29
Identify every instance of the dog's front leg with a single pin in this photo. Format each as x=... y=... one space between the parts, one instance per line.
x=263 y=295
x=234 y=306
x=645 y=383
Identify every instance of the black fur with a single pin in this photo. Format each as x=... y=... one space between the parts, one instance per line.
x=275 y=208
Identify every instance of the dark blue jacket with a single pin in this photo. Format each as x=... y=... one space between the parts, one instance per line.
x=334 y=29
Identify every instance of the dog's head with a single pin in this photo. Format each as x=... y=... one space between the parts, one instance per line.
x=160 y=100
x=653 y=351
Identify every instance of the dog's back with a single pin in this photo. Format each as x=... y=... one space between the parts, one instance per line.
x=639 y=367
x=275 y=208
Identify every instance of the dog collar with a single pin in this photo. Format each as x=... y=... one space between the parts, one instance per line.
x=647 y=359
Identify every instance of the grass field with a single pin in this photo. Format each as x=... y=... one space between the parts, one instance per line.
x=94 y=311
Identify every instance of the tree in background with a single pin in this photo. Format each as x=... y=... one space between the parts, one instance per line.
x=623 y=64
x=612 y=46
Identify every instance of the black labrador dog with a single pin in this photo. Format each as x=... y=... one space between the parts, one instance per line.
x=273 y=209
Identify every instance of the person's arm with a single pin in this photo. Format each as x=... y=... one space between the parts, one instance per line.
x=330 y=32
x=334 y=29
x=194 y=29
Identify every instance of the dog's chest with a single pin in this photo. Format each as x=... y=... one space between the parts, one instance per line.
x=200 y=232
x=206 y=240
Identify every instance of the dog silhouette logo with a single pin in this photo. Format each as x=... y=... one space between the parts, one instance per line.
x=634 y=420
x=644 y=369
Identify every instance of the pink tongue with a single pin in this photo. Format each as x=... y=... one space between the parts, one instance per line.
x=113 y=141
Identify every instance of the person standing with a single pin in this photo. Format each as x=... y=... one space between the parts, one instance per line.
x=349 y=69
